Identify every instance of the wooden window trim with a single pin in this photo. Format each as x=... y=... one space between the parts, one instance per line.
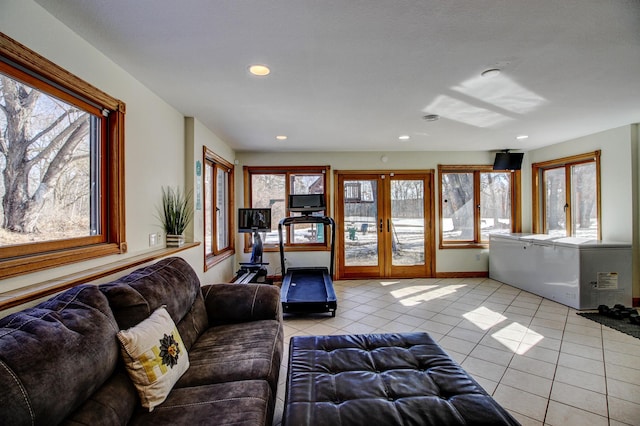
x=19 y=260
x=287 y=171
x=217 y=256
x=516 y=204
x=32 y=293
x=538 y=201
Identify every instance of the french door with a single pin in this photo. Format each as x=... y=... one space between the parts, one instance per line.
x=384 y=224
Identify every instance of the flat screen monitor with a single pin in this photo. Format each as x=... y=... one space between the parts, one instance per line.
x=508 y=161
x=250 y=220
x=306 y=203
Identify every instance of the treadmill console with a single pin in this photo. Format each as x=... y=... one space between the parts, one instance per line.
x=306 y=203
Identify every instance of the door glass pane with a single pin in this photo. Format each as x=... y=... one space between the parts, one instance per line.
x=407 y=222
x=360 y=220
x=495 y=204
x=584 y=212
x=555 y=201
x=457 y=206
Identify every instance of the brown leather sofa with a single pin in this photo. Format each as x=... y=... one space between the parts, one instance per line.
x=60 y=361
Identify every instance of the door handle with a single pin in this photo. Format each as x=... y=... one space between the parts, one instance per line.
x=388 y=225
x=381 y=226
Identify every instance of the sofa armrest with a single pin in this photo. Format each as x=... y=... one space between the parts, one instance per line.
x=229 y=303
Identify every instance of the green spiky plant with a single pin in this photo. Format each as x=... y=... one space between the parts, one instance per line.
x=177 y=210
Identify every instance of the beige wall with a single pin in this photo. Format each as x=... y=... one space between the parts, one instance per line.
x=197 y=136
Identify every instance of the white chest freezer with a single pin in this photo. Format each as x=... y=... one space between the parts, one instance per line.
x=576 y=272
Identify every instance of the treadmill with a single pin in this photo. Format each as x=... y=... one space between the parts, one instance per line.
x=307 y=289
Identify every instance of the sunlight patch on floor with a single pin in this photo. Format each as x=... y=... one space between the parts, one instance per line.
x=484 y=318
x=414 y=289
x=431 y=295
x=512 y=335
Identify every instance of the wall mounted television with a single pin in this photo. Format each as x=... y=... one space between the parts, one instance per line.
x=250 y=220
x=508 y=161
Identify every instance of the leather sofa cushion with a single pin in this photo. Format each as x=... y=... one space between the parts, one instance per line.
x=403 y=379
x=171 y=282
x=233 y=303
x=241 y=403
x=112 y=405
x=244 y=351
x=49 y=355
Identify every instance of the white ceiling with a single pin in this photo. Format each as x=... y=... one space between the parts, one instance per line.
x=351 y=75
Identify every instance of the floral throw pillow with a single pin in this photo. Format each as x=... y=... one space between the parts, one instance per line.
x=155 y=357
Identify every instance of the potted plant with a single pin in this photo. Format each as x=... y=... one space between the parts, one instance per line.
x=177 y=212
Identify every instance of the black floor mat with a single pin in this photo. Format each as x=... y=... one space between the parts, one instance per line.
x=622 y=325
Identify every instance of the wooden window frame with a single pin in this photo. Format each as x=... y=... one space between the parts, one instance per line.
x=287 y=171
x=217 y=255
x=538 y=200
x=18 y=60
x=516 y=206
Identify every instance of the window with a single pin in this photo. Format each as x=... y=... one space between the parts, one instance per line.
x=566 y=196
x=62 y=162
x=475 y=202
x=270 y=187
x=218 y=209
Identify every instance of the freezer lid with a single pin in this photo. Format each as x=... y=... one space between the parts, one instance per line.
x=539 y=238
x=578 y=242
x=511 y=236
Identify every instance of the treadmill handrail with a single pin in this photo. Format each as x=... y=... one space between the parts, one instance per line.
x=287 y=221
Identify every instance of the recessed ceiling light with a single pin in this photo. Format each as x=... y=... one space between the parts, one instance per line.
x=259 y=70
x=431 y=117
x=522 y=137
x=490 y=72
x=404 y=137
x=281 y=137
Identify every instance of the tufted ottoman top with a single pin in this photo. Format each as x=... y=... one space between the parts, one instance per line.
x=382 y=379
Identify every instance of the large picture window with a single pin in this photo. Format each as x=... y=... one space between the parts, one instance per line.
x=475 y=202
x=218 y=208
x=270 y=187
x=567 y=196
x=62 y=162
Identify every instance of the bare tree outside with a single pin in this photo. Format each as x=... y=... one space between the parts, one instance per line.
x=583 y=200
x=458 y=204
x=495 y=204
x=581 y=196
x=45 y=158
x=555 y=201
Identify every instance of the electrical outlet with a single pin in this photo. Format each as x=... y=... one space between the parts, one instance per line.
x=153 y=239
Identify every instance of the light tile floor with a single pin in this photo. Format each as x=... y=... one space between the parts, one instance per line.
x=542 y=362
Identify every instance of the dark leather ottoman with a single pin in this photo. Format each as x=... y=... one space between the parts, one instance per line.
x=382 y=379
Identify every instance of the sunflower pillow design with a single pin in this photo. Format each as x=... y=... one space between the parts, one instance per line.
x=155 y=357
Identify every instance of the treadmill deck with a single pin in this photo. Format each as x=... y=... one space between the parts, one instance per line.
x=308 y=290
